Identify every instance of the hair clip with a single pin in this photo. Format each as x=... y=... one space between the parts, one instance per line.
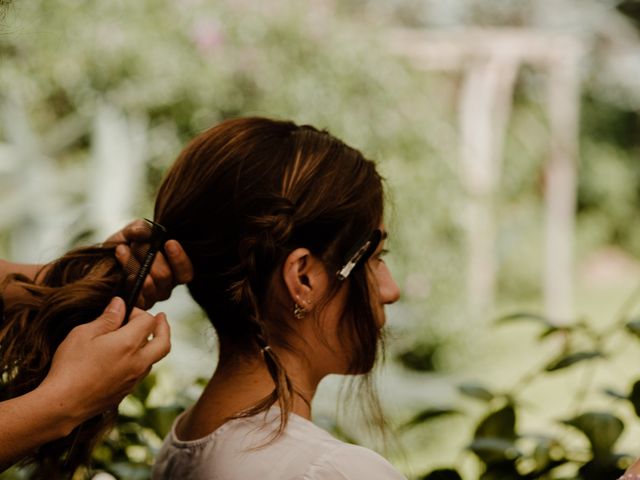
x=360 y=253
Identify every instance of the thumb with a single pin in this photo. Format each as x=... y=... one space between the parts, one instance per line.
x=111 y=318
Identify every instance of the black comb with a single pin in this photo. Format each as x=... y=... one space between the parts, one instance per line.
x=147 y=251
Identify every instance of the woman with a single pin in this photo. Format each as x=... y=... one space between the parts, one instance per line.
x=283 y=225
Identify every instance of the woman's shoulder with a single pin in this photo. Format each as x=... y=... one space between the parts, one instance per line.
x=339 y=460
x=245 y=448
x=351 y=462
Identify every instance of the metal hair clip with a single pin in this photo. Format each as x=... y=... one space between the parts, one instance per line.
x=360 y=254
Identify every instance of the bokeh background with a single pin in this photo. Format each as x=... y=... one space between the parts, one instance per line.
x=507 y=131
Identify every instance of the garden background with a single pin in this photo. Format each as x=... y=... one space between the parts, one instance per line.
x=97 y=98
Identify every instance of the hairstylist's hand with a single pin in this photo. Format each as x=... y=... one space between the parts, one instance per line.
x=99 y=363
x=633 y=470
x=166 y=272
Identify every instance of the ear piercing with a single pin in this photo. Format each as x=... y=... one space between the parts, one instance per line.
x=299 y=311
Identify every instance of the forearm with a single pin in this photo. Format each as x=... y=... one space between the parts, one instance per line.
x=32 y=420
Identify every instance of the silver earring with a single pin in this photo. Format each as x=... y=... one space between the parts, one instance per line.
x=298 y=311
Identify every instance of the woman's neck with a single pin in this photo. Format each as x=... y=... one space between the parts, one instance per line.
x=239 y=384
x=249 y=377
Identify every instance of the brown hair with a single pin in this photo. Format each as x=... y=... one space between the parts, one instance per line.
x=72 y=291
x=239 y=198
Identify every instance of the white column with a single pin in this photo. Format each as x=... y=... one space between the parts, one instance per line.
x=485 y=107
x=116 y=170
x=560 y=185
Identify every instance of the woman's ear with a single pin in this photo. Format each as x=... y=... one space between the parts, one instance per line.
x=304 y=276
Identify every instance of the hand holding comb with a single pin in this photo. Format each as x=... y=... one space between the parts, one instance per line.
x=137 y=274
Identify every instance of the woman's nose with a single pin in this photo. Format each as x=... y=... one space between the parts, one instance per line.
x=389 y=290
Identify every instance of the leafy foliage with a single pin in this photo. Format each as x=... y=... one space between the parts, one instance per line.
x=130 y=448
x=507 y=452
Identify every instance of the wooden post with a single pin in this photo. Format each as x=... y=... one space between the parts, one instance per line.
x=490 y=59
x=485 y=106
x=563 y=97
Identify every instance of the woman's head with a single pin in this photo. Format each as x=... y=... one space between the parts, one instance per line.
x=246 y=195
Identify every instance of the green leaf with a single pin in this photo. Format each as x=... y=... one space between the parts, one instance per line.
x=499 y=424
x=131 y=407
x=502 y=471
x=102 y=454
x=143 y=389
x=634 y=327
x=421 y=357
x=615 y=394
x=428 y=414
x=442 y=474
x=130 y=471
x=494 y=438
x=634 y=397
x=475 y=390
x=494 y=450
x=564 y=328
x=549 y=326
x=598 y=469
x=161 y=419
x=549 y=331
x=601 y=428
x=548 y=454
x=571 y=359
x=522 y=316
x=542 y=455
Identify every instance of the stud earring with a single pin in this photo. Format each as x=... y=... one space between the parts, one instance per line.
x=298 y=311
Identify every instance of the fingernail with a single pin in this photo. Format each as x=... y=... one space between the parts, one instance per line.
x=171 y=248
x=121 y=250
x=116 y=305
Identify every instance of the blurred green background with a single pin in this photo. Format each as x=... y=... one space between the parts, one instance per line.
x=97 y=99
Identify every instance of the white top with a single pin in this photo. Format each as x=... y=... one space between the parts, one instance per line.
x=303 y=452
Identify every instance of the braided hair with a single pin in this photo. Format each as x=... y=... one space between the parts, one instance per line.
x=241 y=197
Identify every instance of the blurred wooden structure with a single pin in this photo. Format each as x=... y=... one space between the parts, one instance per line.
x=40 y=194
x=489 y=61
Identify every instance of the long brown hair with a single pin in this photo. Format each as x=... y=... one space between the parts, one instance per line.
x=242 y=196
x=239 y=198
x=72 y=291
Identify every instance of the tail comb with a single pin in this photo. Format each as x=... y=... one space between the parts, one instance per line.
x=137 y=273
